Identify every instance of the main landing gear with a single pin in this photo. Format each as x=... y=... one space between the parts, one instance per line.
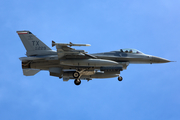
x=120 y=78
x=77 y=75
x=77 y=81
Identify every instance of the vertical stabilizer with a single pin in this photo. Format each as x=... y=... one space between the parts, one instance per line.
x=33 y=45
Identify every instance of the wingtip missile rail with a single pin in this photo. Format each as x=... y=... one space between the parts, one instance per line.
x=68 y=44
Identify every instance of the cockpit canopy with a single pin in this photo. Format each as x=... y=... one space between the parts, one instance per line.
x=129 y=50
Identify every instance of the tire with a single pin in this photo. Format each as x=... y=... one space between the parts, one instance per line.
x=77 y=82
x=76 y=74
x=120 y=78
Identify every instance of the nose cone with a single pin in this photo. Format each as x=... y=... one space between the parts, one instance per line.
x=159 y=60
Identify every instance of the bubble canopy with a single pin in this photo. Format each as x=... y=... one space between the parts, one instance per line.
x=130 y=50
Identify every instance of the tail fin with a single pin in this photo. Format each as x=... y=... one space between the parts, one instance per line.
x=33 y=45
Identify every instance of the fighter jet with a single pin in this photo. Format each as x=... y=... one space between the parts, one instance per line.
x=68 y=63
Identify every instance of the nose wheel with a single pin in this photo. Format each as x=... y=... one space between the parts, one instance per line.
x=120 y=78
x=77 y=81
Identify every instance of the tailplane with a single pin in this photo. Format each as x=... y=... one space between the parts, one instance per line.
x=30 y=72
x=33 y=45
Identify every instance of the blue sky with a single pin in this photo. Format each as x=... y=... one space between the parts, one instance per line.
x=147 y=91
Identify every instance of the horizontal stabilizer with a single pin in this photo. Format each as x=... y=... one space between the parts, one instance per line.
x=30 y=58
x=30 y=72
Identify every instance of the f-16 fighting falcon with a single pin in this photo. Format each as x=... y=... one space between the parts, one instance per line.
x=69 y=63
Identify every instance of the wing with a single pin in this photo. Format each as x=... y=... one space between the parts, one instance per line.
x=65 y=50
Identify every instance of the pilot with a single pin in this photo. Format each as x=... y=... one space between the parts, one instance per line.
x=126 y=51
x=121 y=50
x=130 y=51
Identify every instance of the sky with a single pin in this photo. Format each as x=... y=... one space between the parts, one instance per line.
x=147 y=91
